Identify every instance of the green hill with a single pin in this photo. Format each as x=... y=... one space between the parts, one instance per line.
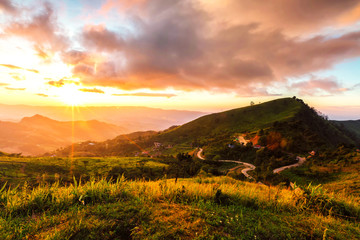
x=234 y=121
x=290 y=120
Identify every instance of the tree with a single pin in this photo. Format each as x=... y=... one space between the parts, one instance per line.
x=252 y=103
x=261 y=132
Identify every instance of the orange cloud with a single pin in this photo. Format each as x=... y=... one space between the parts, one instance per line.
x=17 y=77
x=240 y=58
x=229 y=45
x=144 y=94
x=295 y=16
x=61 y=82
x=93 y=90
x=15 y=89
x=17 y=67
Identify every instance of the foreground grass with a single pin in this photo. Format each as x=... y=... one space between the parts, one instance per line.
x=198 y=208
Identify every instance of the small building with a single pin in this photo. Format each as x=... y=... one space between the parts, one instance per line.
x=157 y=144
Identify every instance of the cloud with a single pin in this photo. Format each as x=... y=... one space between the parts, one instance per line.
x=61 y=82
x=4 y=84
x=74 y=57
x=42 y=95
x=318 y=87
x=41 y=29
x=100 y=38
x=144 y=94
x=17 y=77
x=7 y=6
x=93 y=90
x=356 y=86
x=222 y=45
x=177 y=46
x=296 y=16
x=17 y=67
x=15 y=89
x=171 y=50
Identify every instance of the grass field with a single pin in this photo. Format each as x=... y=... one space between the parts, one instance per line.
x=197 y=208
x=41 y=170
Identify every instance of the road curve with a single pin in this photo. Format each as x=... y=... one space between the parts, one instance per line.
x=300 y=162
x=249 y=166
x=199 y=154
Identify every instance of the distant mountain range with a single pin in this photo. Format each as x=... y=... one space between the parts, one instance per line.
x=38 y=134
x=131 y=119
x=287 y=123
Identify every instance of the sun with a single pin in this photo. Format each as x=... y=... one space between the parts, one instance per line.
x=70 y=95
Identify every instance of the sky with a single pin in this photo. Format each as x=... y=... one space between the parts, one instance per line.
x=181 y=54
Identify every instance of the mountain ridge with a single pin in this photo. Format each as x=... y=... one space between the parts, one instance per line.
x=38 y=134
x=131 y=118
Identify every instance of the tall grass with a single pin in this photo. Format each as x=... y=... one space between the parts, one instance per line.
x=54 y=198
x=136 y=209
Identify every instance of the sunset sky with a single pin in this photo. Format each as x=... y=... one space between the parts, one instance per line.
x=181 y=54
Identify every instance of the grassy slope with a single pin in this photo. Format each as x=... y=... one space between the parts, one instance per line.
x=232 y=121
x=201 y=208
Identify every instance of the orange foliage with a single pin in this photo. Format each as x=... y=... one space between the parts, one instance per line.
x=255 y=140
x=274 y=140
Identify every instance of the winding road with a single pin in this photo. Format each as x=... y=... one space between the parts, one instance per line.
x=251 y=167
x=199 y=154
x=300 y=162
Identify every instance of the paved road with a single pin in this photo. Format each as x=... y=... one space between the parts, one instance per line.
x=299 y=163
x=199 y=154
x=249 y=166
